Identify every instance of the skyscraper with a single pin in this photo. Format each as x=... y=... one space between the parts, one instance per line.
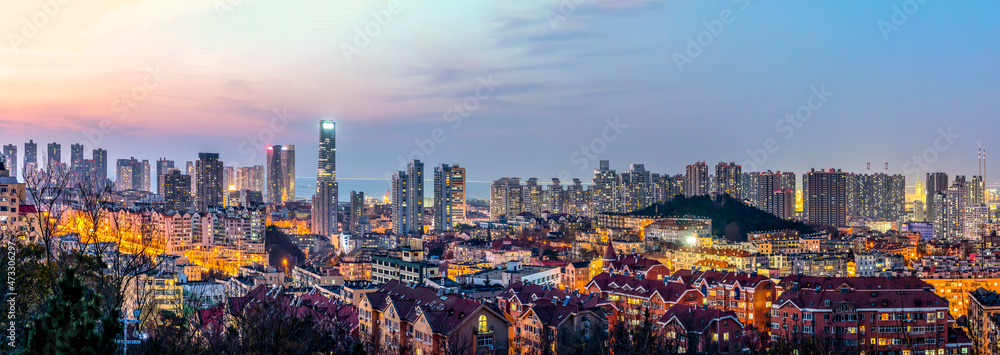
x=208 y=173
x=825 y=197
x=400 y=205
x=555 y=197
x=356 y=225
x=228 y=177
x=10 y=159
x=457 y=194
x=937 y=183
x=54 y=153
x=146 y=175
x=100 y=165
x=129 y=175
x=288 y=170
x=162 y=166
x=604 y=187
x=408 y=199
x=773 y=195
x=532 y=197
x=193 y=173
x=324 y=204
x=442 y=198
x=31 y=157
x=75 y=156
x=280 y=173
x=728 y=179
x=506 y=198
x=176 y=189
x=696 y=180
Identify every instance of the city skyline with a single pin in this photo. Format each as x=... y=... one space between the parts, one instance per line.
x=866 y=87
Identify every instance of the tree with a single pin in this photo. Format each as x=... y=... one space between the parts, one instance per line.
x=458 y=343
x=73 y=322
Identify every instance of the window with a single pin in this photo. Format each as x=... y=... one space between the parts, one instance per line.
x=807 y=316
x=484 y=341
x=482 y=325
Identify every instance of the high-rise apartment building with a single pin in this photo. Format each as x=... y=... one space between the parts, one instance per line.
x=443 y=208
x=977 y=191
x=162 y=166
x=728 y=179
x=9 y=159
x=506 y=198
x=208 y=173
x=357 y=224
x=937 y=183
x=176 y=189
x=604 y=187
x=825 y=197
x=250 y=178
x=533 y=197
x=30 y=157
x=772 y=194
x=131 y=174
x=696 y=180
x=458 y=204
x=408 y=199
x=99 y=167
x=54 y=157
x=229 y=178
x=555 y=198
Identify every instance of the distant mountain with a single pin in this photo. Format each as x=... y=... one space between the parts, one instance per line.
x=730 y=217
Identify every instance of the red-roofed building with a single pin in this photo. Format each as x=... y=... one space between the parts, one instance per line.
x=547 y=317
x=633 y=296
x=401 y=316
x=708 y=330
x=865 y=315
x=637 y=265
x=750 y=296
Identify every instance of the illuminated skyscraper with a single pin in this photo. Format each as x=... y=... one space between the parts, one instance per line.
x=533 y=197
x=162 y=166
x=443 y=217
x=457 y=194
x=555 y=198
x=208 y=173
x=358 y=224
x=825 y=197
x=31 y=157
x=129 y=175
x=9 y=158
x=408 y=199
x=506 y=198
x=100 y=165
x=176 y=189
x=604 y=187
x=324 y=204
x=250 y=178
x=696 y=180
x=937 y=183
x=76 y=166
x=280 y=173
x=54 y=157
x=728 y=179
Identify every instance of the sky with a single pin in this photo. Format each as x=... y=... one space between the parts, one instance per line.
x=526 y=88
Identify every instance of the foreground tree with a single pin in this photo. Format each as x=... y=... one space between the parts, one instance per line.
x=73 y=322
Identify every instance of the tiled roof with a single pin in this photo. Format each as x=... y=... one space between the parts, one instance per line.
x=443 y=312
x=697 y=319
x=644 y=288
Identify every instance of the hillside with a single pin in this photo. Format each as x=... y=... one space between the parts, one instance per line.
x=730 y=217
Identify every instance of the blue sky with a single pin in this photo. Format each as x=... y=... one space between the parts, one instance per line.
x=213 y=74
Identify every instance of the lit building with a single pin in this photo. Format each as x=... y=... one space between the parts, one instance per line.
x=408 y=199
x=162 y=166
x=30 y=157
x=176 y=189
x=443 y=214
x=458 y=202
x=9 y=158
x=132 y=175
x=604 y=187
x=825 y=197
x=280 y=173
x=506 y=198
x=209 y=190
x=358 y=219
x=324 y=203
x=728 y=179
x=936 y=183
x=696 y=180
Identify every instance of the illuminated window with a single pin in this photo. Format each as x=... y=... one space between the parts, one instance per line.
x=482 y=324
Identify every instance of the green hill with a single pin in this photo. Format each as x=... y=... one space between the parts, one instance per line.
x=730 y=217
